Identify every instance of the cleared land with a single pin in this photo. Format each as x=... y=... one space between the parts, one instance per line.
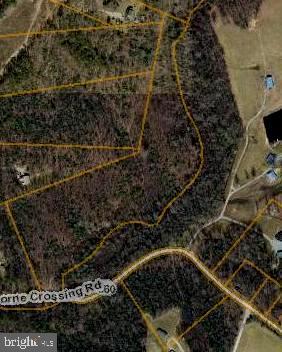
x=166 y=323
x=116 y=11
x=66 y=58
x=256 y=338
x=251 y=53
x=23 y=16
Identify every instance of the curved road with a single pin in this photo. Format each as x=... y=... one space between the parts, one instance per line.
x=202 y=267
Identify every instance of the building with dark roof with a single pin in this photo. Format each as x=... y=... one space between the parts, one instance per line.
x=271 y=159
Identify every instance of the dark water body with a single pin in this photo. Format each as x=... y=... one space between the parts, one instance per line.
x=273 y=126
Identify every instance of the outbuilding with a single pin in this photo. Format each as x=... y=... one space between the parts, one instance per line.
x=271 y=158
x=271 y=176
x=269 y=82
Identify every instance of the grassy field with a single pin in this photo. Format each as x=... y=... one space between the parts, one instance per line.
x=20 y=17
x=271 y=225
x=258 y=339
x=167 y=321
x=251 y=54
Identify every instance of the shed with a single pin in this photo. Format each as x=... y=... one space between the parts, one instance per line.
x=271 y=176
x=271 y=158
x=269 y=82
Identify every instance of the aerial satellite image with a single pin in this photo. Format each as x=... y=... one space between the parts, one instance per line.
x=141 y=175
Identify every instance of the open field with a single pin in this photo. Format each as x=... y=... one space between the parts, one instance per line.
x=23 y=16
x=241 y=210
x=251 y=53
x=166 y=322
x=118 y=11
x=256 y=338
x=253 y=162
x=271 y=225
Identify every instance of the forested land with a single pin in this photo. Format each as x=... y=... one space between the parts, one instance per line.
x=14 y=272
x=218 y=331
x=173 y=282
x=46 y=165
x=85 y=209
x=207 y=92
x=114 y=324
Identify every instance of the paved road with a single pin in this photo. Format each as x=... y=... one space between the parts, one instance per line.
x=203 y=268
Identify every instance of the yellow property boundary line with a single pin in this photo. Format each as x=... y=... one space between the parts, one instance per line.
x=140 y=222
x=199 y=320
x=181 y=193
x=64 y=146
x=76 y=84
x=210 y=276
x=159 y=11
x=190 y=257
x=147 y=321
x=137 y=150
x=182 y=98
x=20 y=239
x=78 y=11
x=79 y=29
x=185 y=189
x=262 y=272
x=259 y=215
x=143 y=3
x=271 y=307
x=257 y=292
x=68 y=178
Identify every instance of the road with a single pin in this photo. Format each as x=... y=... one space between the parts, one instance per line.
x=190 y=256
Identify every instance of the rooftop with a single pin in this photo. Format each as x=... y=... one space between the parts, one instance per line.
x=269 y=82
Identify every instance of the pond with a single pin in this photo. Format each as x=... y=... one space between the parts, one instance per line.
x=273 y=126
